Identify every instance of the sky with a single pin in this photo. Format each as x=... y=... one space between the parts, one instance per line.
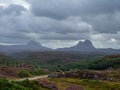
x=60 y=23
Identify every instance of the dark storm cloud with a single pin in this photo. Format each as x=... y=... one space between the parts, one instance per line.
x=105 y=23
x=26 y=27
x=61 y=21
x=101 y=14
x=50 y=29
x=65 y=8
x=12 y=23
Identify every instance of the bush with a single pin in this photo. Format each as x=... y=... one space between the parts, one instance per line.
x=6 y=85
x=22 y=85
x=37 y=72
x=24 y=73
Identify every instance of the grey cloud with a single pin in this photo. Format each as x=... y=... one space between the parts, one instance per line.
x=103 y=15
x=105 y=23
x=106 y=40
x=64 y=8
x=70 y=36
x=49 y=29
x=26 y=27
x=12 y=10
x=58 y=21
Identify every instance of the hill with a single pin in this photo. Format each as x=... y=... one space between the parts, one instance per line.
x=81 y=46
x=53 y=57
x=7 y=60
x=33 y=46
x=30 y=46
x=100 y=63
x=69 y=61
x=87 y=47
x=111 y=61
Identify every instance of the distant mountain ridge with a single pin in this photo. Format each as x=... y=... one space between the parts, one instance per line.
x=81 y=46
x=33 y=46
x=30 y=46
x=33 y=43
x=87 y=46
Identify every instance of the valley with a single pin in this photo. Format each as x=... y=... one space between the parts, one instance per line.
x=59 y=44
x=61 y=69
x=80 y=72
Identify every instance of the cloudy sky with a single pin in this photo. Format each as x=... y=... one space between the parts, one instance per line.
x=60 y=23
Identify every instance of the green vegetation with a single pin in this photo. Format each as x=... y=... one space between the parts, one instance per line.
x=87 y=84
x=23 y=85
x=7 y=60
x=37 y=72
x=53 y=58
x=60 y=83
x=24 y=73
x=60 y=61
x=105 y=63
x=97 y=64
x=41 y=62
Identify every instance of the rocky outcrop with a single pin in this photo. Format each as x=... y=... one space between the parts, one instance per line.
x=95 y=75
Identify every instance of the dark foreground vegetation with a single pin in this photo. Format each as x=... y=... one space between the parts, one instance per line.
x=22 y=85
x=59 y=84
x=85 y=84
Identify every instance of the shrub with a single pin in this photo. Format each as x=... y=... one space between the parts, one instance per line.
x=24 y=73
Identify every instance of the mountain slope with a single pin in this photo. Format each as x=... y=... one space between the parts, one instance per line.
x=7 y=60
x=33 y=46
x=30 y=46
x=81 y=46
x=88 y=47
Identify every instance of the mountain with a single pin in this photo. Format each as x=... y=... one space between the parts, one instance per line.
x=33 y=46
x=30 y=46
x=33 y=43
x=88 y=47
x=81 y=46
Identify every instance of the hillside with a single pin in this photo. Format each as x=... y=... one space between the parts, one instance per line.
x=7 y=60
x=53 y=57
x=111 y=61
x=74 y=71
x=65 y=60
x=33 y=46
x=30 y=46
x=100 y=63
x=81 y=46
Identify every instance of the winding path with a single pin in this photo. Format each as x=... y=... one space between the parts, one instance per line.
x=32 y=78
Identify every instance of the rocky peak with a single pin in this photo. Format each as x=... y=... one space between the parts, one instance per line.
x=87 y=44
x=33 y=43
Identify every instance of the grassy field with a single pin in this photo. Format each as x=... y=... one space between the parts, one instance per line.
x=63 y=83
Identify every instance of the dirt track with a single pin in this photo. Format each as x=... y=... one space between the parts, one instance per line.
x=32 y=78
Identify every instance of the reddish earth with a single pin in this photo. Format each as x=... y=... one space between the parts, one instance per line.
x=8 y=72
x=74 y=87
